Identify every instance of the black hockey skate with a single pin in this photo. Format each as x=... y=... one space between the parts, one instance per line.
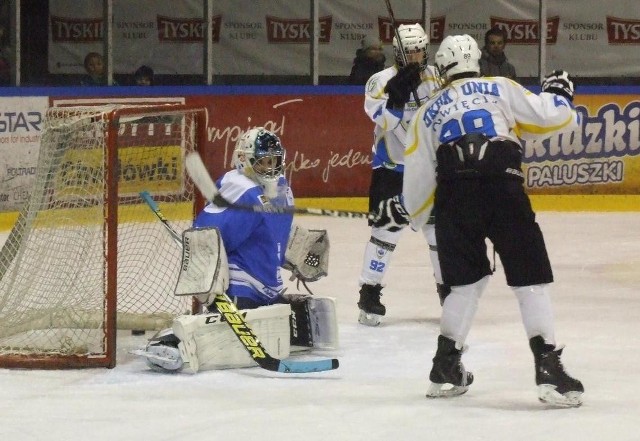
x=555 y=386
x=448 y=375
x=371 y=310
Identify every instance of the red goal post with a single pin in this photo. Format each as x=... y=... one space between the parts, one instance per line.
x=86 y=257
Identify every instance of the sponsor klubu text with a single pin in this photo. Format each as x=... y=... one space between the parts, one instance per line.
x=582 y=26
x=467 y=26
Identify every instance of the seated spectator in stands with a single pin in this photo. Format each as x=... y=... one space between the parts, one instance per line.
x=94 y=66
x=143 y=76
x=493 y=62
x=369 y=60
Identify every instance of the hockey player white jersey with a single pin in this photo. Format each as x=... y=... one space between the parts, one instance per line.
x=496 y=107
x=390 y=129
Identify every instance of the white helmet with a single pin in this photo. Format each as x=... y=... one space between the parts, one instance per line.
x=413 y=39
x=457 y=54
x=259 y=155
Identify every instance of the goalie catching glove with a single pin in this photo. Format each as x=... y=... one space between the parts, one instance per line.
x=560 y=83
x=391 y=215
x=307 y=254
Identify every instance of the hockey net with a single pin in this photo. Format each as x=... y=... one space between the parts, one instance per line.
x=86 y=256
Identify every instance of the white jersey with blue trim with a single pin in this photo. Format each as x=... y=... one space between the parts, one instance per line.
x=255 y=241
x=497 y=107
x=390 y=129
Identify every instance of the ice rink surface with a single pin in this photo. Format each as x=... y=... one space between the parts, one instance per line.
x=378 y=393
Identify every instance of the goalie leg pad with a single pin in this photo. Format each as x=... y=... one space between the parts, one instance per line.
x=204 y=271
x=208 y=343
x=314 y=324
x=301 y=337
x=324 y=322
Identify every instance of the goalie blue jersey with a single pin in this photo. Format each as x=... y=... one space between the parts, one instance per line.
x=255 y=242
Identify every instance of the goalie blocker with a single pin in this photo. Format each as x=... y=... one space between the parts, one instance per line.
x=204 y=342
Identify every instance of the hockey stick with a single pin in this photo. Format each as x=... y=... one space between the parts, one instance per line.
x=403 y=54
x=201 y=178
x=165 y=222
x=239 y=326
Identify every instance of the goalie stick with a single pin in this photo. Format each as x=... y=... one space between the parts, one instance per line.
x=201 y=178
x=239 y=326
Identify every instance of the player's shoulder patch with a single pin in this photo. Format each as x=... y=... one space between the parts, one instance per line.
x=372 y=84
x=377 y=81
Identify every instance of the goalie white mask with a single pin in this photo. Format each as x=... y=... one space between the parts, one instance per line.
x=458 y=54
x=414 y=41
x=259 y=155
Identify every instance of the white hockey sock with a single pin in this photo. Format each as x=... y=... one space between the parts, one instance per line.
x=377 y=255
x=536 y=311
x=429 y=232
x=459 y=309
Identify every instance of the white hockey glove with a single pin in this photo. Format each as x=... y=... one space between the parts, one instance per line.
x=391 y=215
x=560 y=83
x=307 y=254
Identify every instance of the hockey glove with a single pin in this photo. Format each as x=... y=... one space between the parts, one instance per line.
x=400 y=86
x=307 y=254
x=560 y=83
x=391 y=215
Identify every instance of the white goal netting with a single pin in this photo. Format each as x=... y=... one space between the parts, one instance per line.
x=58 y=274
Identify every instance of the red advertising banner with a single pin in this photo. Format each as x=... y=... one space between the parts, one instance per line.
x=327 y=138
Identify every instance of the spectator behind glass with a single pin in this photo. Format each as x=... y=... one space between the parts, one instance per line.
x=493 y=62
x=94 y=66
x=369 y=60
x=143 y=76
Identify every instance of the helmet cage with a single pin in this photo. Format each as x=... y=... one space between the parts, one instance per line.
x=267 y=160
x=259 y=155
x=414 y=40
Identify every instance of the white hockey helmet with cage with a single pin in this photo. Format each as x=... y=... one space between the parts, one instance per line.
x=414 y=40
x=458 y=54
x=259 y=155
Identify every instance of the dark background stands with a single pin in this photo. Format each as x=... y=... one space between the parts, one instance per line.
x=369 y=60
x=143 y=76
x=494 y=61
